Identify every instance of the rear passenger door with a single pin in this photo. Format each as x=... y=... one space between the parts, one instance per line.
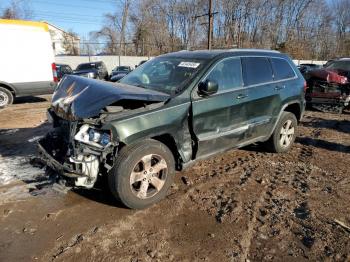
x=263 y=99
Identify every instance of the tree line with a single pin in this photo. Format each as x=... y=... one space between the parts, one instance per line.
x=305 y=29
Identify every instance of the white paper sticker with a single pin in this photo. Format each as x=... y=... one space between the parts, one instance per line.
x=189 y=64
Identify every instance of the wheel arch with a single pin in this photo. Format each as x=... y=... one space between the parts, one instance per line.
x=8 y=87
x=295 y=109
x=169 y=140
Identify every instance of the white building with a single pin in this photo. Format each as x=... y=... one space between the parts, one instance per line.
x=63 y=42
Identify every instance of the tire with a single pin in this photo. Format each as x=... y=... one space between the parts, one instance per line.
x=6 y=97
x=281 y=143
x=133 y=180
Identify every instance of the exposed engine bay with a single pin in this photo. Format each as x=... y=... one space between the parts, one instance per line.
x=79 y=152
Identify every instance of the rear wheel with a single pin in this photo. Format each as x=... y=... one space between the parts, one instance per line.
x=142 y=174
x=6 y=97
x=284 y=134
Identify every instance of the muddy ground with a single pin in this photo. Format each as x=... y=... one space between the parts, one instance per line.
x=238 y=206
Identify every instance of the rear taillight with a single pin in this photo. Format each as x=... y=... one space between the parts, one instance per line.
x=305 y=86
x=54 y=72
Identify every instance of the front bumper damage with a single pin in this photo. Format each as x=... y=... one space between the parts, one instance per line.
x=51 y=162
x=75 y=160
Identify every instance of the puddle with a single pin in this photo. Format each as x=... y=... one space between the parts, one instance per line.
x=308 y=241
x=302 y=212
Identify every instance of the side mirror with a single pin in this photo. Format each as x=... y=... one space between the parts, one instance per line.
x=208 y=87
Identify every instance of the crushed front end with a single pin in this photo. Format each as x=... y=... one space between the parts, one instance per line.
x=80 y=148
x=329 y=90
x=77 y=151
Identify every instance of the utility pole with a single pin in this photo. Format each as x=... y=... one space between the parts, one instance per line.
x=210 y=15
x=210 y=24
x=122 y=31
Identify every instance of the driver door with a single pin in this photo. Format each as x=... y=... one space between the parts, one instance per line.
x=219 y=120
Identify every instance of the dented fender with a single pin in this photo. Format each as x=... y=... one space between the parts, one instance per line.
x=170 y=120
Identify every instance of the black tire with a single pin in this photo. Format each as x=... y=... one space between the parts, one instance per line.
x=276 y=144
x=129 y=159
x=6 y=97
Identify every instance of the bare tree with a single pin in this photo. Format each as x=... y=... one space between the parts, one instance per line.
x=17 y=10
x=69 y=43
x=305 y=29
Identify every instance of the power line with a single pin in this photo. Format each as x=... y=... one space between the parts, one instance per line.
x=92 y=7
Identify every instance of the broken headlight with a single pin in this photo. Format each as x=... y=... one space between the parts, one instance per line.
x=99 y=137
x=89 y=135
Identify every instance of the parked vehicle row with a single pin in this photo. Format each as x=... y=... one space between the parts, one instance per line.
x=167 y=114
x=119 y=72
x=95 y=70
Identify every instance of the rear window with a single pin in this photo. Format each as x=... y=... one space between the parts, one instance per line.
x=281 y=69
x=256 y=70
x=86 y=66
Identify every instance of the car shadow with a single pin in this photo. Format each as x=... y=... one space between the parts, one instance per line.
x=100 y=194
x=338 y=125
x=21 y=142
x=30 y=99
x=331 y=146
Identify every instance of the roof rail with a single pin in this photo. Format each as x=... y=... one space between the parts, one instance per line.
x=253 y=50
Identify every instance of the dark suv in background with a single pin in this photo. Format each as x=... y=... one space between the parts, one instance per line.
x=163 y=116
x=95 y=70
x=62 y=70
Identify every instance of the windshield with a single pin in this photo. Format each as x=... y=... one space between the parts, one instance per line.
x=121 y=68
x=165 y=74
x=86 y=66
x=342 y=65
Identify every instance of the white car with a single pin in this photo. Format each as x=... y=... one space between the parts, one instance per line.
x=27 y=65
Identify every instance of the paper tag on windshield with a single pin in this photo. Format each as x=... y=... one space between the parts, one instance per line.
x=189 y=64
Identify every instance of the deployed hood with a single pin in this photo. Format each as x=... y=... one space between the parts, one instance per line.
x=78 y=97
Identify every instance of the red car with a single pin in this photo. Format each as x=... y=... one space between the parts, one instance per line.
x=329 y=87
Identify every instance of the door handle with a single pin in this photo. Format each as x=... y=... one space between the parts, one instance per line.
x=241 y=96
x=280 y=87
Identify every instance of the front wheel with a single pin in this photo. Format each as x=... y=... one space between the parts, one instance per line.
x=142 y=174
x=284 y=134
x=6 y=97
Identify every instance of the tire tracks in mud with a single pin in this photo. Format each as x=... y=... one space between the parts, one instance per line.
x=220 y=191
x=225 y=201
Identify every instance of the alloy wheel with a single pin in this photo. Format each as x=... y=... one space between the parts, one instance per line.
x=148 y=176
x=287 y=134
x=4 y=99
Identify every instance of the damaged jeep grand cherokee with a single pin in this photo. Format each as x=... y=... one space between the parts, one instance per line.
x=168 y=113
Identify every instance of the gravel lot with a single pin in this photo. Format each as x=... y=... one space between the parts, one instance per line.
x=238 y=206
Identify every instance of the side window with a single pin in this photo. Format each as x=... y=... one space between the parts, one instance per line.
x=281 y=69
x=256 y=70
x=227 y=73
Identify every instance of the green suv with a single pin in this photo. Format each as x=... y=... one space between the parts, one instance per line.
x=169 y=112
